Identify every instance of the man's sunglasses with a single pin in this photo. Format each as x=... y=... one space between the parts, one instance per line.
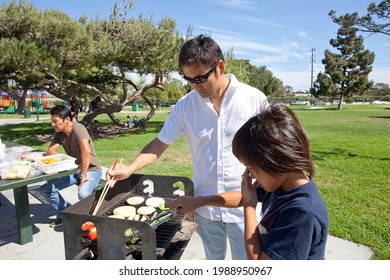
x=202 y=78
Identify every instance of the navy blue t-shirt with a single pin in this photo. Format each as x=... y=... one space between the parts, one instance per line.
x=294 y=224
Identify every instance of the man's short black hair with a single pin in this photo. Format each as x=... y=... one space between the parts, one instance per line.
x=201 y=49
x=62 y=111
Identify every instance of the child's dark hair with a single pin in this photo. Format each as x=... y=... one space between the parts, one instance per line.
x=274 y=141
x=62 y=111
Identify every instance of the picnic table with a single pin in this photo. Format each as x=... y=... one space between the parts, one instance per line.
x=20 y=190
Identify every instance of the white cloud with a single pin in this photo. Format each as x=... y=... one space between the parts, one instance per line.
x=298 y=80
x=281 y=58
x=264 y=60
x=234 y=4
x=227 y=40
x=304 y=35
x=250 y=20
x=301 y=80
x=294 y=45
x=380 y=75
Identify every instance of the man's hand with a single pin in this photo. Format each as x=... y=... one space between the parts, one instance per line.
x=118 y=172
x=83 y=180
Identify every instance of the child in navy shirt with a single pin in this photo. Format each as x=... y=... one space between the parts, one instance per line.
x=279 y=173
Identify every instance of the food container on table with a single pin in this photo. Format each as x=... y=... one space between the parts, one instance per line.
x=15 y=153
x=55 y=163
x=2 y=151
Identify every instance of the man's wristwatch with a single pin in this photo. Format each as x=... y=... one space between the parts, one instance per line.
x=82 y=177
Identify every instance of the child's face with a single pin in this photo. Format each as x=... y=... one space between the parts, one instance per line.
x=270 y=183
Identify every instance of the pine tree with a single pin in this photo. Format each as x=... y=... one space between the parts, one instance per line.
x=348 y=69
x=376 y=21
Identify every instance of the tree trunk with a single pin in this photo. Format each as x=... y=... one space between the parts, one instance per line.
x=116 y=120
x=142 y=121
x=111 y=106
x=109 y=110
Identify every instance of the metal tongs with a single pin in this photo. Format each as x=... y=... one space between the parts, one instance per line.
x=157 y=220
x=162 y=217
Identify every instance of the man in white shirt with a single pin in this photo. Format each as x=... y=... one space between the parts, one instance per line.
x=208 y=117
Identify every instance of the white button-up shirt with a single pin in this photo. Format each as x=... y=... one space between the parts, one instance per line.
x=215 y=168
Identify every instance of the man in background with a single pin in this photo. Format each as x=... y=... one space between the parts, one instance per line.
x=77 y=143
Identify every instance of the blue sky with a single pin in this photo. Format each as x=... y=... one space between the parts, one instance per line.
x=279 y=34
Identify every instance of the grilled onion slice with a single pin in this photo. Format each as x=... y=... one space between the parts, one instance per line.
x=135 y=200
x=145 y=210
x=125 y=211
x=154 y=201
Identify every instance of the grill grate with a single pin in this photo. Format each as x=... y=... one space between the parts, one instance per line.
x=165 y=242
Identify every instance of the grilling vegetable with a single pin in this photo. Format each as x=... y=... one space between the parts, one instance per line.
x=125 y=211
x=128 y=232
x=135 y=200
x=92 y=234
x=154 y=202
x=134 y=236
x=159 y=219
x=162 y=207
x=133 y=241
x=146 y=210
x=144 y=218
x=132 y=216
x=87 y=226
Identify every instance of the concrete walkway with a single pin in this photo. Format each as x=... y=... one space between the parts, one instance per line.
x=22 y=120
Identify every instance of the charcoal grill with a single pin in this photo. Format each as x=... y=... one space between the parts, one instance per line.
x=167 y=241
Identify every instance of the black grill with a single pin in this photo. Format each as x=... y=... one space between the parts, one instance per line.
x=167 y=241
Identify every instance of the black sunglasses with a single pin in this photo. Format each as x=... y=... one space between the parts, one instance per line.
x=202 y=78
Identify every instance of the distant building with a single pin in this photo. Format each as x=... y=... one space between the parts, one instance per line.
x=303 y=94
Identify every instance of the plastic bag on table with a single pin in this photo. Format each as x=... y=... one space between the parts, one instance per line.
x=16 y=170
x=2 y=151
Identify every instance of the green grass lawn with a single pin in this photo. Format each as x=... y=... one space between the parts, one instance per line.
x=350 y=148
x=351 y=151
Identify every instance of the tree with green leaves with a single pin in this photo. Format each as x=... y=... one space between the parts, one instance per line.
x=377 y=20
x=239 y=67
x=172 y=91
x=380 y=89
x=21 y=58
x=264 y=80
x=256 y=76
x=80 y=58
x=324 y=86
x=347 y=70
x=136 y=46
